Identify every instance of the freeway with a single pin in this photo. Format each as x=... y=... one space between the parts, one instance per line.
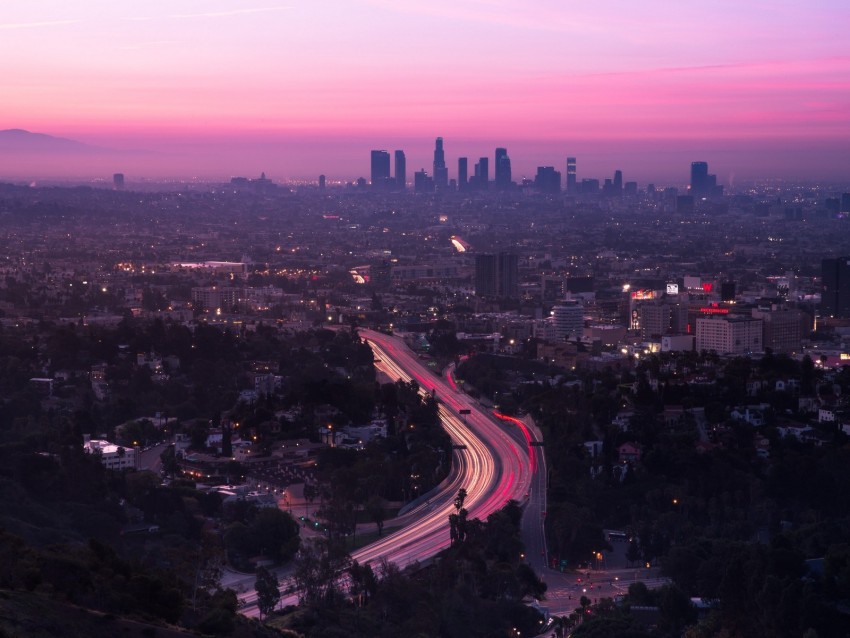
x=493 y=462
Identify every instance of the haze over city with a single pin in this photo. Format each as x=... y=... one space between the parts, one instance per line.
x=440 y=319
x=213 y=89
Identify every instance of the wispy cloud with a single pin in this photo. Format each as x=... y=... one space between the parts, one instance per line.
x=151 y=43
x=232 y=12
x=36 y=25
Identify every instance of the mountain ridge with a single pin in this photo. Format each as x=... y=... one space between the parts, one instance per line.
x=21 y=140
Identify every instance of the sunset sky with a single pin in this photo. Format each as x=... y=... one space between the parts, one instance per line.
x=216 y=87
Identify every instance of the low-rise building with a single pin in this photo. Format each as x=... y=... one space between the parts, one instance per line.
x=113 y=456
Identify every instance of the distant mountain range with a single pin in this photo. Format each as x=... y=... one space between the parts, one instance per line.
x=21 y=141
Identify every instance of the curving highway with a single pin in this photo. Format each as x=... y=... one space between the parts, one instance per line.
x=492 y=465
x=493 y=462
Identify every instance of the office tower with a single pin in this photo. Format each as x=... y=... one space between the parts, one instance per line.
x=118 y=181
x=571 y=175
x=729 y=335
x=845 y=202
x=321 y=182
x=400 y=170
x=485 y=275
x=380 y=169
x=547 y=180
x=422 y=182
x=589 y=186
x=835 y=288
x=508 y=275
x=783 y=328
x=727 y=291
x=618 y=182
x=482 y=173
x=699 y=176
x=657 y=319
x=703 y=184
x=441 y=173
x=503 y=169
x=462 y=173
x=497 y=275
x=630 y=188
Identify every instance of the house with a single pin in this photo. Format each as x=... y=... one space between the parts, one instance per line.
x=594 y=448
x=673 y=415
x=623 y=420
x=808 y=404
x=629 y=452
x=826 y=415
x=752 y=414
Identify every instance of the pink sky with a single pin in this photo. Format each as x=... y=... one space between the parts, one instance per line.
x=305 y=87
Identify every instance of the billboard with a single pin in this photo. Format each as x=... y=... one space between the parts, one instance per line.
x=672 y=289
x=643 y=294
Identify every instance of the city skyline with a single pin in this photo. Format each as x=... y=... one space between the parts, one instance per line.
x=212 y=89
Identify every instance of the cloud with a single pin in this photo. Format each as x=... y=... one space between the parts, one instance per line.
x=232 y=12
x=37 y=25
x=150 y=43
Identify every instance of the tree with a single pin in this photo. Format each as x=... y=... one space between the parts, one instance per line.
x=317 y=567
x=633 y=552
x=310 y=494
x=274 y=533
x=459 y=499
x=375 y=507
x=268 y=591
x=169 y=461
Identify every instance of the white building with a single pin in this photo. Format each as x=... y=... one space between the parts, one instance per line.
x=729 y=335
x=569 y=319
x=677 y=343
x=112 y=456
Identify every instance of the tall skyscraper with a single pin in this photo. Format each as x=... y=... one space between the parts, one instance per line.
x=321 y=182
x=571 y=175
x=699 y=176
x=618 y=182
x=462 y=173
x=503 y=169
x=547 y=180
x=703 y=184
x=835 y=293
x=400 y=170
x=118 y=181
x=380 y=169
x=441 y=173
x=482 y=173
x=422 y=182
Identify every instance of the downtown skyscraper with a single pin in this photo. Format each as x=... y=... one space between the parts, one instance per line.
x=503 y=169
x=571 y=175
x=380 y=172
x=441 y=173
x=400 y=170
